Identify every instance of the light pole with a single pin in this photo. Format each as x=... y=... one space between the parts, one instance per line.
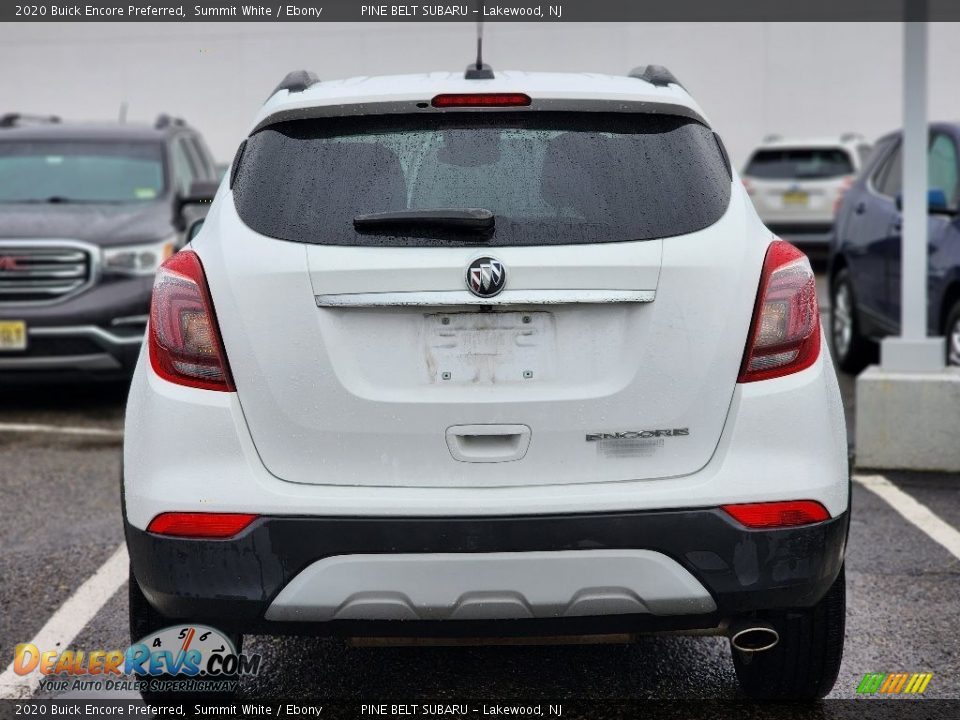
x=913 y=351
x=908 y=408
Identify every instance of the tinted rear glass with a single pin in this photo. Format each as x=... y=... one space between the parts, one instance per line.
x=800 y=164
x=549 y=178
x=80 y=171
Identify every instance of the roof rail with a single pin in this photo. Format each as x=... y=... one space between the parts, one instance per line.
x=296 y=81
x=655 y=75
x=164 y=121
x=13 y=119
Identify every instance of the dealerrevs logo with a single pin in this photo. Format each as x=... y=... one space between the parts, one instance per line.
x=191 y=650
x=898 y=683
x=199 y=654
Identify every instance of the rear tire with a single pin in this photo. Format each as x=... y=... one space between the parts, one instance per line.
x=952 y=333
x=805 y=663
x=144 y=621
x=851 y=350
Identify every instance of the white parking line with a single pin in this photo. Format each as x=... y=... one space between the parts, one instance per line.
x=913 y=511
x=66 y=430
x=69 y=619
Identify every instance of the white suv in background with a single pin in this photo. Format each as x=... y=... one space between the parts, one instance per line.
x=797 y=185
x=491 y=354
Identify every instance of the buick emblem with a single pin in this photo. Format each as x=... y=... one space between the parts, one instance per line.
x=486 y=277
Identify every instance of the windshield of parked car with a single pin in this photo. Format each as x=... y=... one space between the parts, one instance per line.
x=799 y=164
x=64 y=171
x=547 y=178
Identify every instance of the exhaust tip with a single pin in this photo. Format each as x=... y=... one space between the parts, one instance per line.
x=754 y=637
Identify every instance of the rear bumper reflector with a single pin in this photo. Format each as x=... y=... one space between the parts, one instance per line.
x=211 y=526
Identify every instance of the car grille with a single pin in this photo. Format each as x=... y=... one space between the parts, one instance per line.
x=43 y=273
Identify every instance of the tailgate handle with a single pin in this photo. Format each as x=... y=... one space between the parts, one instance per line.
x=488 y=443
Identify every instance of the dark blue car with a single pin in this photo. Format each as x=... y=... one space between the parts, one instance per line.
x=865 y=251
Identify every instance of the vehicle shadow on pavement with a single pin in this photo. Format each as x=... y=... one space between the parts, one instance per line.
x=65 y=404
x=653 y=667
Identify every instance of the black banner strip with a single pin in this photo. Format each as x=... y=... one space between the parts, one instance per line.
x=487 y=10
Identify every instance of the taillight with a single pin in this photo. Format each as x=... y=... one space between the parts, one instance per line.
x=185 y=344
x=200 y=525
x=777 y=514
x=481 y=100
x=842 y=192
x=785 y=333
x=748 y=186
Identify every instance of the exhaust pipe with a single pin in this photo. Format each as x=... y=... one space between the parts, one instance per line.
x=752 y=636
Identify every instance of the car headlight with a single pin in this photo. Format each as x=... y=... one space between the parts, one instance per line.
x=140 y=259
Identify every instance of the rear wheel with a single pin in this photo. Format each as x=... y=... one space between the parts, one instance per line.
x=952 y=333
x=851 y=350
x=805 y=662
x=145 y=622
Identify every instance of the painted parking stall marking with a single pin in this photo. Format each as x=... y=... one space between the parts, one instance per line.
x=54 y=429
x=69 y=619
x=914 y=512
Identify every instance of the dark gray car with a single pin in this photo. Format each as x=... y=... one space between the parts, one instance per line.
x=87 y=214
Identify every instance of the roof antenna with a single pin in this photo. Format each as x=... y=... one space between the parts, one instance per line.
x=479 y=71
x=123 y=112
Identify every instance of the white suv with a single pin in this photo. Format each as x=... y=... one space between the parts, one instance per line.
x=797 y=185
x=480 y=356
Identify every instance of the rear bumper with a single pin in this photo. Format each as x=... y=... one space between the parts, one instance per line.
x=81 y=351
x=717 y=569
x=95 y=335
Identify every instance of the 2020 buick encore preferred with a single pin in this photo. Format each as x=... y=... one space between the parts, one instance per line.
x=504 y=353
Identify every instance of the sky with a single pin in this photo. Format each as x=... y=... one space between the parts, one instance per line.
x=752 y=79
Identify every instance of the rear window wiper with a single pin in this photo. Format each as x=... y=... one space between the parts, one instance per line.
x=451 y=219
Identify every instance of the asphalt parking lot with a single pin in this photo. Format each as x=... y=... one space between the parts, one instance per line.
x=60 y=522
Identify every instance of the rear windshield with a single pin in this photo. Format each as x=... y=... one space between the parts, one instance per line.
x=548 y=178
x=80 y=171
x=800 y=164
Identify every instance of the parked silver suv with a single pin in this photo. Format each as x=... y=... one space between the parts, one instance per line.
x=797 y=185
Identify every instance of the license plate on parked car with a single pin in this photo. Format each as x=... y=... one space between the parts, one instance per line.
x=490 y=347
x=796 y=197
x=13 y=335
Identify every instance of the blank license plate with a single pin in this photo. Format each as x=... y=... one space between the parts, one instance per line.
x=468 y=348
x=13 y=335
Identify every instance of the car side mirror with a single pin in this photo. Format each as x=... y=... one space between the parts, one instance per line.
x=194 y=229
x=936 y=202
x=201 y=192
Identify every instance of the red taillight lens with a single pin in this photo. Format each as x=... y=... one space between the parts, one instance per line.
x=747 y=186
x=185 y=345
x=200 y=525
x=481 y=100
x=785 y=332
x=841 y=193
x=777 y=514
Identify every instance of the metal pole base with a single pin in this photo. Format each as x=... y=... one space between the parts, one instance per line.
x=905 y=355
